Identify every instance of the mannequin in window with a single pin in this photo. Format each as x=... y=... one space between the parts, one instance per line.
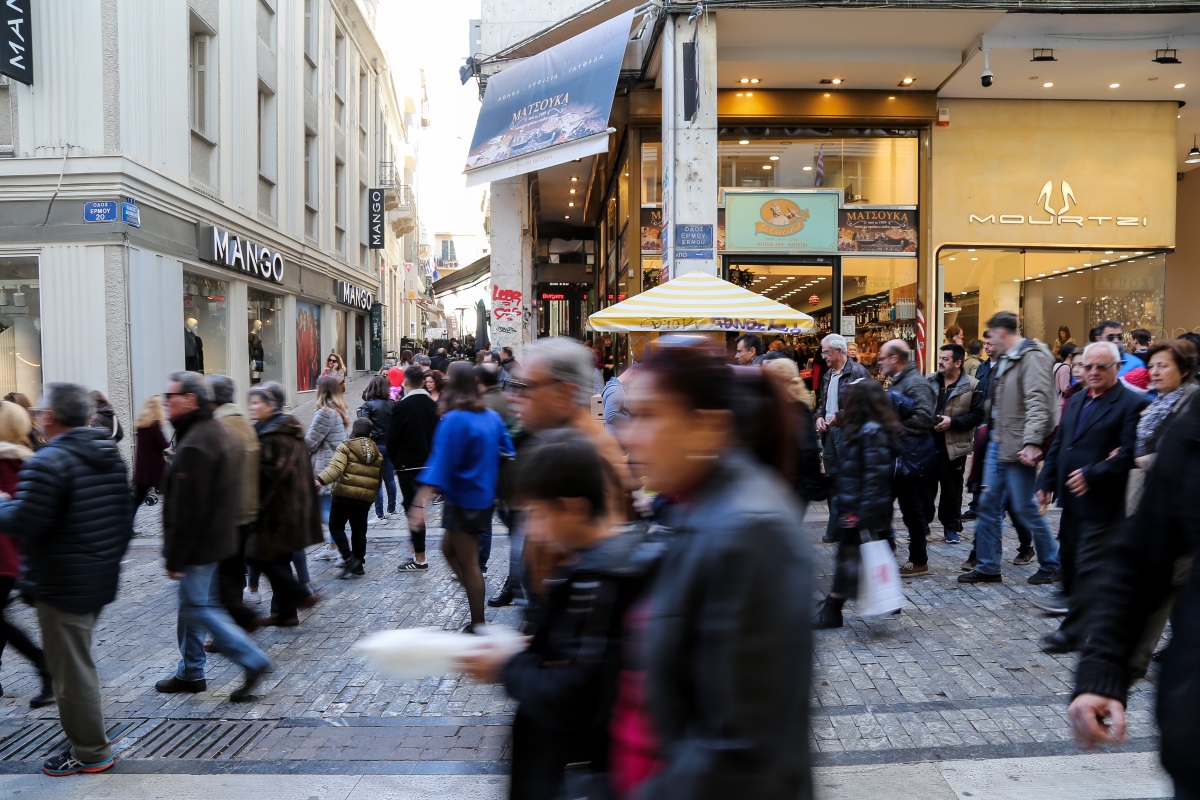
x=193 y=347
x=256 y=352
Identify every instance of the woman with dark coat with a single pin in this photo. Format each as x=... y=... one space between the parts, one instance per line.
x=722 y=707
x=377 y=407
x=289 y=517
x=150 y=445
x=863 y=486
x=14 y=452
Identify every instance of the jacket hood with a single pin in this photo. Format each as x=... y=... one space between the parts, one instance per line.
x=90 y=445
x=281 y=425
x=14 y=452
x=228 y=410
x=365 y=449
x=1027 y=345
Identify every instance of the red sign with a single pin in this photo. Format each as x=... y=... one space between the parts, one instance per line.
x=814 y=299
x=550 y=296
x=619 y=297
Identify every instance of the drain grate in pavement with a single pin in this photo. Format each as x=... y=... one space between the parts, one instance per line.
x=196 y=739
x=42 y=739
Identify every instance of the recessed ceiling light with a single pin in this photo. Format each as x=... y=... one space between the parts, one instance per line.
x=774 y=158
x=1056 y=271
x=741 y=94
x=1180 y=85
x=836 y=81
x=1108 y=252
x=908 y=81
x=1041 y=274
x=572 y=191
x=807 y=169
x=1088 y=264
x=1103 y=261
x=973 y=258
x=749 y=94
x=567 y=216
x=1114 y=86
x=755 y=80
x=1138 y=252
x=744 y=80
x=570 y=205
x=953 y=258
x=1016 y=280
x=744 y=141
x=573 y=179
x=766 y=166
x=827 y=94
x=1047 y=85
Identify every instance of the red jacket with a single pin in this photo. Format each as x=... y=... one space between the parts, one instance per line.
x=12 y=458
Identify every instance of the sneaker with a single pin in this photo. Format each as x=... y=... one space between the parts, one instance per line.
x=65 y=763
x=975 y=576
x=251 y=597
x=1024 y=556
x=1055 y=606
x=349 y=567
x=381 y=520
x=1044 y=576
x=952 y=537
x=327 y=554
x=412 y=565
x=245 y=692
x=969 y=515
x=910 y=570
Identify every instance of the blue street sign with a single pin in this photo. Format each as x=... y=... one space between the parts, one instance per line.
x=100 y=211
x=694 y=236
x=686 y=254
x=131 y=215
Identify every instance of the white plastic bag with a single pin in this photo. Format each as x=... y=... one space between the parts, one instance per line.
x=415 y=653
x=879 y=590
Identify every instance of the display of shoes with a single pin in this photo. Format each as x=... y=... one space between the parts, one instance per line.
x=1025 y=556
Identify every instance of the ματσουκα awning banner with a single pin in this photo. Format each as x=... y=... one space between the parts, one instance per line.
x=550 y=108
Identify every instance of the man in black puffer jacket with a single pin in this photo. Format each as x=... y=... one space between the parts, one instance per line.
x=74 y=519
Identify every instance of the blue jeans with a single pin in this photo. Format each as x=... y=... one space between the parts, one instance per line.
x=1011 y=484
x=326 y=500
x=389 y=483
x=200 y=610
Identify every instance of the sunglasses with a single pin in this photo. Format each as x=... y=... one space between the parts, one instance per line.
x=1100 y=367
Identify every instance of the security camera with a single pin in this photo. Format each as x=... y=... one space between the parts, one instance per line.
x=986 y=77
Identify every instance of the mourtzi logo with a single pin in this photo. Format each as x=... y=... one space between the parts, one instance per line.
x=1057 y=215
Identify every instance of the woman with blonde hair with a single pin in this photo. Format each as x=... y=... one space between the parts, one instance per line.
x=15 y=428
x=21 y=399
x=335 y=367
x=150 y=445
x=327 y=431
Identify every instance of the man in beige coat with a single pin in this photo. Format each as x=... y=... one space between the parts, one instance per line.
x=232 y=571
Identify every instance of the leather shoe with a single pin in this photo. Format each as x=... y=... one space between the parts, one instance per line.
x=504 y=597
x=309 y=601
x=1057 y=643
x=829 y=538
x=969 y=515
x=975 y=576
x=210 y=646
x=278 y=622
x=176 y=685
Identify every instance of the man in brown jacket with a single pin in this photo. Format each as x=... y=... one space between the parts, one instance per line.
x=232 y=571
x=958 y=410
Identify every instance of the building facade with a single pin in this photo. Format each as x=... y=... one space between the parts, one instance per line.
x=190 y=185
x=945 y=163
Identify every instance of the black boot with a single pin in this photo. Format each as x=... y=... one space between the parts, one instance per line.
x=46 y=696
x=829 y=615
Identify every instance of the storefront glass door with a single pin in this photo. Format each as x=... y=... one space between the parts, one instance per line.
x=265 y=313
x=205 y=325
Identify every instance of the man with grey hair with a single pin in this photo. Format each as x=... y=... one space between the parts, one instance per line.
x=232 y=570
x=422 y=361
x=831 y=395
x=73 y=517
x=1086 y=470
x=199 y=514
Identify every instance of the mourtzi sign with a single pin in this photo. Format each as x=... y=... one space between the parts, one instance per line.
x=16 y=41
x=375 y=219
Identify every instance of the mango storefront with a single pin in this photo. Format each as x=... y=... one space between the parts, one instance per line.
x=1061 y=211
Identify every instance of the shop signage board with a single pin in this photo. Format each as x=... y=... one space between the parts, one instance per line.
x=375 y=237
x=16 y=41
x=551 y=108
x=100 y=211
x=782 y=222
x=875 y=231
x=353 y=296
x=218 y=246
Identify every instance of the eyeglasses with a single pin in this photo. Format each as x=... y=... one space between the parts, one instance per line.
x=1101 y=367
x=331 y=361
x=1114 y=337
x=169 y=395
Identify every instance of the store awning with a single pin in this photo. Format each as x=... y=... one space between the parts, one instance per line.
x=698 y=301
x=552 y=107
x=463 y=277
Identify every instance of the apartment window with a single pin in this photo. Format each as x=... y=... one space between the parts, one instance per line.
x=339 y=76
x=201 y=78
x=267 y=126
x=310 y=46
x=364 y=110
x=310 y=169
x=339 y=200
x=266 y=23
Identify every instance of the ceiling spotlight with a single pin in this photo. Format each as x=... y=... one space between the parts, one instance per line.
x=774 y=158
x=567 y=216
x=1043 y=54
x=831 y=81
x=836 y=81
x=1180 y=85
x=744 y=141
x=907 y=82
x=744 y=80
x=570 y=205
x=1047 y=85
x=755 y=80
x=1193 y=156
x=1114 y=86
x=573 y=179
x=1168 y=56
x=807 y=169
x=766 y=166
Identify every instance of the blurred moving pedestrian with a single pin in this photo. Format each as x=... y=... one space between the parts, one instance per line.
x=409 y=442
x=326 y=431
x=149 y=451
x=73 y=517
x=36 y=439
x=806 y=478
x=616 y=403
x=199 y=531
x=289 y=518
x=1022 y=413
x=725 y=634
x=836 y=378
x=1139 y=573
x=378 y=408
x=15 y=428
x=958 y=410
x=440 y=361
x=462 y=468
x=871 y=439
x=354 y=473
x=917 y=451
x=232 y=570
x=105 y=418
x=565 y=680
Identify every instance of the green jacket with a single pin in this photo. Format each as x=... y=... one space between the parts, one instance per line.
x=356 y=470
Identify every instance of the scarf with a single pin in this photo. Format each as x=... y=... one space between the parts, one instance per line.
x=1157 y=413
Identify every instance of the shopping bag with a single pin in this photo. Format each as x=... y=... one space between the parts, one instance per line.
x=879 y=589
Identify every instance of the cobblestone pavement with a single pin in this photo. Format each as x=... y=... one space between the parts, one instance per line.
x=957 y=676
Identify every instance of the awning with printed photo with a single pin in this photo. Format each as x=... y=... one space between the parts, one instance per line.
x=551 y=108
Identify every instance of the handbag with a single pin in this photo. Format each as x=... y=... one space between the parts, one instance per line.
x=917 y=459
x=879 y=588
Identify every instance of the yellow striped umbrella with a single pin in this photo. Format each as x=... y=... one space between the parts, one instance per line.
x=698 y=301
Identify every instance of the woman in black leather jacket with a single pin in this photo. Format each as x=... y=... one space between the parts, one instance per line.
x=378 y=408
x=863 y=487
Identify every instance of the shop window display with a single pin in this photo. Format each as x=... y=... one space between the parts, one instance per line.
x=360 y=342
x=20 y=328
x=339 y=334
x=309 y=355
x=205 y=325
x=264 y=313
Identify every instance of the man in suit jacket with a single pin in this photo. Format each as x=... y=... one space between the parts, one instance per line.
x=1087 y=469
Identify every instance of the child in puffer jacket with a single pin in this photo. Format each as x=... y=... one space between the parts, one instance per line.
x=355 y=472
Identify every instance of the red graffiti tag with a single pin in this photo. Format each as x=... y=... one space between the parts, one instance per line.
x=506 y=303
